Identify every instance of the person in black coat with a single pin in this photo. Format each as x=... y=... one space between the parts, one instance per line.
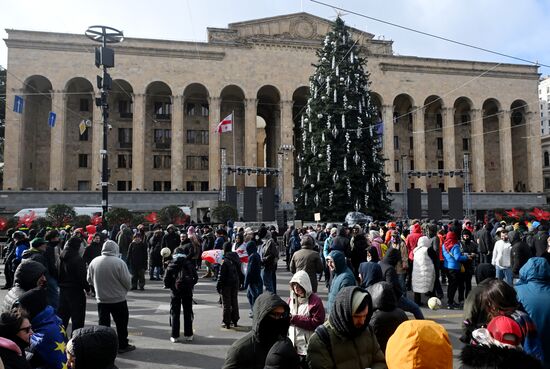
x=171 y=238
x=520 y=252
x=341 y=242
x=73 y=285
x=386 y=316
x=469 y=247
x=228 y=286
x=93 y=250
x=15 y=333
x=486 y=243
x=28 y=275
x=541 y=241
x=93 y=347
x=155 y=259
x=137 y=261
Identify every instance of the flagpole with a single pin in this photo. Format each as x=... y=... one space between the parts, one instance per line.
x=234 y=151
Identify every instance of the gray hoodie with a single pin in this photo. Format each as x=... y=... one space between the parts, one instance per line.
x=109 y=275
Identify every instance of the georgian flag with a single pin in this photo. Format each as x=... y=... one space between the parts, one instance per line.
x=226 y=125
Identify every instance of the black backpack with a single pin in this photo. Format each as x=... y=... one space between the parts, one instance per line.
x=186 y=278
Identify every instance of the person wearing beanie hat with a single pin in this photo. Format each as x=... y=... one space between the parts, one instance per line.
x=15 y=335
x=346 y=340
x=171 y=238
x=28 y=275
x=49 y=336
x=419 y=344
x=92 y=348
x=123 y=239
x=111 y=279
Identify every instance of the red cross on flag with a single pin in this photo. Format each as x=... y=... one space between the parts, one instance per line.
x=226 y=125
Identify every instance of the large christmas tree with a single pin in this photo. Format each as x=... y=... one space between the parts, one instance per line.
x=340 y=163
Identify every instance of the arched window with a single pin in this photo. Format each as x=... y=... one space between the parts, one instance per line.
x=546 y=159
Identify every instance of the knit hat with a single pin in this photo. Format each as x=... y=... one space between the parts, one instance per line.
x=357 y=300
x=37 y=242
x=341 y=312
x=505 y=330
x=34 y=301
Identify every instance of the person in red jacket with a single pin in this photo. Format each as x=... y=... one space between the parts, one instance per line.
x=411 y=242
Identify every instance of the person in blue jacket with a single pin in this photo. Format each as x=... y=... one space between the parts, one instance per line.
x=533 y=290
x=342 y=275
x=49 y=339
x=453 y=260
x=253 y=279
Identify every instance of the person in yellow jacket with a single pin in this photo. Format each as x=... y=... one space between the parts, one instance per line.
x=419 y=344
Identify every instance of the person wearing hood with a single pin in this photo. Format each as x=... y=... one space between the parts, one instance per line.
x=346 y=340
x=419 y=344
x=308 y=260
x=307 y=311
x=453 y=263
x=28 y=275
x=397 y=242
x=269 y=325
x=137 y=261
x=282 y=355
x=468 y=247
x=155 y=259
x=541 y=241
x=377 y=242
x=48 y=341
x=92 y=348
x=111 y=279
x=370 y=271
x=73 y=285
x=411 y=242
x=386 y=316
x=253 y=278
x=358 y=246
x=423 y=275
x=341 y=242
x=181 y=276
x=269 y=253
x=486 y=243
x=15 y=336
x=520 y=252
x=498 y=346
x=342 y=276
x=533 y=291
x=123 y=239
x=228 y=286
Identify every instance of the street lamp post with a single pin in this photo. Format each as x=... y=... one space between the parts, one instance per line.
x=104 y=59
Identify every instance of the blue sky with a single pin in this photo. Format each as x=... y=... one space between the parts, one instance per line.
x=519 y=28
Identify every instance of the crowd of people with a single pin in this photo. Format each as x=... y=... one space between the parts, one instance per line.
x=375 y=273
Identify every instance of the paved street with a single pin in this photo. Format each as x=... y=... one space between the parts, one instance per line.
x=150 y=332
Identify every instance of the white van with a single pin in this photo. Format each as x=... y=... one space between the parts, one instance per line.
x=79 y=210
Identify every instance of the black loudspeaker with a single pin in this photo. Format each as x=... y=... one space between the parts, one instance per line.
x=268 y=204
x=435 y=209
x=456 y=205
x=231 y=196
x=414 y=203
x=250 y=210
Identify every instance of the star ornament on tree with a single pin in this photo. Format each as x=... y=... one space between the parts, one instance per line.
x=514 y=213
x=540 y=214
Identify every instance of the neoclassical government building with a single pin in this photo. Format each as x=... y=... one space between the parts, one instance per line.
x=168 y=97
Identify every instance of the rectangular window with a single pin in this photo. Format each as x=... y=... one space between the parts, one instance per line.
x=125 y=138
x=204 y=186
x=396 y=166
x=205 y=110
x=396 y=186
x=412 y=185
x=157 y=161
x=189 y=186
x=122 y=161
x=84 y=136
x=162 y=110
x=412 y=164
x=411 y=143
x=83 y=160
x=166 y=161
x=125 y=108
x=190 y=109
x=546 y=182
x=465 y=144
x=157 y=186
x=162 y=138
x=396 y=142
x=438 y=121
x=167 y=186
x=442 y=187
x=84 y=105
x=121 y=186
x=440 y=143
x=84 y=185
x=197 y=162
x=197 y=137
x=440 y=165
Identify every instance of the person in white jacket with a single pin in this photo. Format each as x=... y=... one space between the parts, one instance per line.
x=111 y=279
x=502 y=257
x=423 y=274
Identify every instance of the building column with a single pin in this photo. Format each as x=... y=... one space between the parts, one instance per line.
x=250 y=140
x=97 y=144
x=419 y=149
x=389 y=152
x=477 y=150
x=534 y=153
x=177 y=143
x=13 y=145
x=214 y=144
x=449 y=156
x=57 y=141
x=138 y=142
x=506 y=163
x=287 y=133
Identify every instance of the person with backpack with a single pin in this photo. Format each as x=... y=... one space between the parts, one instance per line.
x=181 y=276
x=228 y=286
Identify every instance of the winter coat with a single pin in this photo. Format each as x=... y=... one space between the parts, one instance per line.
x=308 y=260
x=269 y=253
x=485 y=241
x=95 y=347
x=370 y=273
x=229 y=271
x=170 y=240
x=154 y=247
x=452 y=257
x=541 y=242
x=72 y=270
x=341 y=243
x=423 y=273
x=91 y=252
x=419 y=344
x=342 y=277
x=48 y=335
x=109 y=275
x=254 y=268
x=250 y=351
x=25 y=278
x=12 y=355
x=494 y=357
x=282 y=355
x=533 y=290
x=350 y=348
x=307 y=313
x=402 y=265
x=180 y=262
x=358 y=253
x=137 y=256
x=386 y=316
x=475 y=315
x=123 y=240
x=412 y=239
x=502 y=257
x=520 y=252
x=392 y=258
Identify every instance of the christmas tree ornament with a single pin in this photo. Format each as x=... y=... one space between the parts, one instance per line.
x=324 y=59
x=348 y=142
x=335 y=177
x=328 y=158
x=356 y=158
x=305 y=198
x=313 y=148
x=345 y=163
x=316 y=199
x=357 y=205
x=330 y=197
x=312 y=185
x=302 y=122
x=359 y=131
x=323 y=97
x=335 y=132
x=337 y=71
x=343 y=121
x=323 y=137
x=333 y=61
x=342 y=79
x=315 y=92
x=335 y=96
x=328 y=121
x=318 y=176
x=348 y=185
x=363 y=167
x=351 y=57
x=320 y=155
x=319 y=116
x=308 y=170
x=305 y=181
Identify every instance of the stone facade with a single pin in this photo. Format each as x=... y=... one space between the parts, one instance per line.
x=168 y=97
